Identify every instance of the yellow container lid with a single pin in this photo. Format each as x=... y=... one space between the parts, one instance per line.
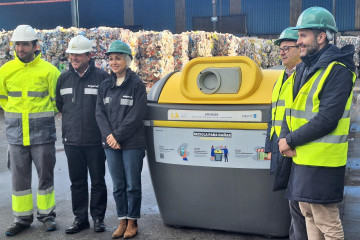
x=251 y=86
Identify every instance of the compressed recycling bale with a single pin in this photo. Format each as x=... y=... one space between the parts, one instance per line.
x=200 y=44
x=224 y=44
x=181 y=51
x=154 y=55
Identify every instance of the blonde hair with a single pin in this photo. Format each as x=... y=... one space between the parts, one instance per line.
x=127 y=59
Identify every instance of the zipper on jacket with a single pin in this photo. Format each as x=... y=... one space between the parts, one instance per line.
x=74 y=95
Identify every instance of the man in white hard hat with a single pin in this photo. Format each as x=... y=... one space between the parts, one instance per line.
x=27 y=95
x=76 y=95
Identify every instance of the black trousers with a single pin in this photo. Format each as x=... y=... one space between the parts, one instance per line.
x=82 y=160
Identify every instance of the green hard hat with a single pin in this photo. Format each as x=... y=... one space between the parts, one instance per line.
x=287 y=35
x=316 y=18
x=119 y=47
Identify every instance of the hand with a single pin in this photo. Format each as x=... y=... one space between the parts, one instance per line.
x=112 y=142
x=283 y=146
x=289 y=153
x=117 y=146
x=268 y=156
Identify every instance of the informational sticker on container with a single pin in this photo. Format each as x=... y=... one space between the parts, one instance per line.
x=216 y=116
x=211 y=147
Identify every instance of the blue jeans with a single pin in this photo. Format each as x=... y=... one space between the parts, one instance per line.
x=125 y=169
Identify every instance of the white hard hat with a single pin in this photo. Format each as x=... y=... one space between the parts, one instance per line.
x=24 y=33
x=79 y=45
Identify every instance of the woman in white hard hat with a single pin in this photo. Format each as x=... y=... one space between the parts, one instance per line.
x=120 y=111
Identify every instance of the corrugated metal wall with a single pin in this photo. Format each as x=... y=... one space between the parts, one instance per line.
x=204 y=8
x=344 y=11
x=155 y=15
x=40 y=16
x=345 y=14
x=266 y=17
x=319 y=3
x=263 y=16
x=95 y=13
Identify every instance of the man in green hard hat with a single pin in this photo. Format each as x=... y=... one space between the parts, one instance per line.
x=317 y=124
x=290 y=57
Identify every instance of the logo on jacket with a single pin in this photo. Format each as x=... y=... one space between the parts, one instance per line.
x=125 y=96
x=93 y=86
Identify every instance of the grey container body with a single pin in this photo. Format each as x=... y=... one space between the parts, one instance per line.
x=221 y=198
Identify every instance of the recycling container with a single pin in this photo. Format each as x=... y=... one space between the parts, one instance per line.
x=218 y=155
x=214 y=103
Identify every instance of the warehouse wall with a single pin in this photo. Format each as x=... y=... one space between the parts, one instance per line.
x=262 y=16
x=155 y=15
x=344 y=11
x=345 y=15
x=95 y=13
x=320 y=3
x=204 y=8
x=266 y=17
x=40 y=16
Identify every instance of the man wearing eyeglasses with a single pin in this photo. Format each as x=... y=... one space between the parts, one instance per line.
x=317 y=124
x=290 y=57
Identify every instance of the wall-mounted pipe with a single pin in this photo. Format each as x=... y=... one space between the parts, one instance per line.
x=75 y=13
x=32 y=2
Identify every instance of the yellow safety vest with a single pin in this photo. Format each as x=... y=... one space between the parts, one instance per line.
x=330 y=150
x=27 y=95
x=279 y=95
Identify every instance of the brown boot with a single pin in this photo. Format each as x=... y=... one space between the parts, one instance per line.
x=131 y=229
x=119 y=232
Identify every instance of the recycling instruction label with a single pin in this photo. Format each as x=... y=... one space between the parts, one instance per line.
x=226 y=148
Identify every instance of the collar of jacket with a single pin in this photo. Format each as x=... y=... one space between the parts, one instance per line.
x=90 y=68
x=34 y=61
x=114 y=77
x=311 y=60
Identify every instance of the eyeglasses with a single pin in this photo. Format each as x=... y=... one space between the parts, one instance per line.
x=286 y=49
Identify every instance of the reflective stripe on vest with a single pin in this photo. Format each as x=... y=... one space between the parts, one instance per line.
x=38 y=94
x=22 y=203
x=106 y=100
x=330 y=150
x=125 y=101
x=46 y=200
x=279 y=95
x=91 y=91
x=14 y=94
x=65 y=91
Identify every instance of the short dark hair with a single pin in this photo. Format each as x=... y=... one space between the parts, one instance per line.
x=34 y=42
x=316 y=33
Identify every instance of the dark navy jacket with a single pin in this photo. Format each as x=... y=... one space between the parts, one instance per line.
x=76 y=100
x=310 y=183
x=120 y=110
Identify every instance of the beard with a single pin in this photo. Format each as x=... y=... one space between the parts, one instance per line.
x=26 y=57
x=312 y=48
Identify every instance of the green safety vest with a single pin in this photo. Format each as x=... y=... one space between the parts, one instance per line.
x=330 y=150
x=279 y=95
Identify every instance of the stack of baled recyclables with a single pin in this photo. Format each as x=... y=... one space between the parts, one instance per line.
x=206 y=129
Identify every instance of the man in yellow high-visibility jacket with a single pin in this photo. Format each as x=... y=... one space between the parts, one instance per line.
x=27 y=95
x=317 y=124
x=290 y=57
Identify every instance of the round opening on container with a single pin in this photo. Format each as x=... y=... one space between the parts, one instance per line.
x=208 y=81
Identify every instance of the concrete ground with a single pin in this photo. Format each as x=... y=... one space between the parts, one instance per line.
x=151 y=226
